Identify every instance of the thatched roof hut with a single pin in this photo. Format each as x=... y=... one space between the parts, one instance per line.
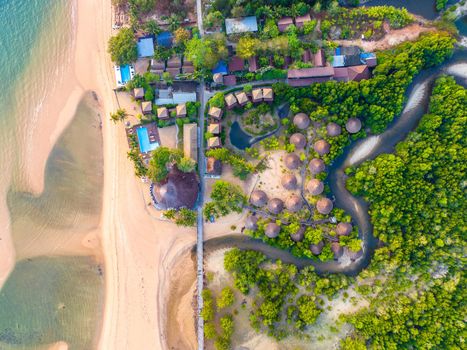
x=275 y=206
x=258 y=198
x=321 y=147
x=316 y=166
x=324 y=206
x=272 y=230
x=251 y=223
x=163 y=113
x=138 y=93
x=230 y=101
x=317 y=248
x=214 y=142
x=294 y=203
x=292 y=161
x=242 y=98
x=355 y=255
x=301 y=121
x=299 y=235
x=315 y=187
x=337 y=250
x=289 y=182
x=177 y=190
x=215 y=112
x=343 y=229
x=257 y=95
x=268 y=95
x=146 y=107
x=333 y=129
x=299 y=140
x=180 y=110
x=353 y=125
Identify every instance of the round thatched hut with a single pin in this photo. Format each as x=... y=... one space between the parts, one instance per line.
x=321 y=147
x=272 y=230
x=258 y=198
x=292 y=161
x=299 y=235
x=294 y=203
x=324 y=206
x=343 y=229
x=353 y=125
x=317 y=248
x=289 y=182
x=337 y=250
x=301 y=121
x=315 y=187
x=251 y=223
x=299 y=140
x=316 y=166
x=275 y=206
x=177 y=190
x=333 y=129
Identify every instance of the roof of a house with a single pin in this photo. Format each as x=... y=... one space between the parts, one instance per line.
x=321 y=147
x=241 y=25
x=213 y=166
x=221 y=67
x=236 y=64
x=302 y=19
x=251 y=222
x=324 y=205
x=371 y=62
x=306 y=57
x=230 y=80
x=218 y=78
x=253 y=64
x=353 y=125
x=230 y=100
x=138 y=92
x=352 y=60
x=165 y=39
x=258 y=198
x=316 y=165
x=242 y=98
x=173 y=71
x=308 y=81
x=318 y=58
x=289 y=181
x=292 y=161
x=145 y=47
x=358 y=73
x=155 y=64
x=181 y=110
x=268 y=94
x=299 y=140
x=272 y=230
x=294 y=203
x=333 y=129
x=214 y=128
x=146 y=106
x=257 y=94
x=343 y=228
x=348 y=50
x=174 y=62
x=162 y=113
x=214 y=142
x=178 y=190
x=317 y=248
x=190 y=141
x=298 y=235
x=284 y=23
x=215 y=112
x=310 y=72
x=275 y=205
x=301 y=121
x=315 y=187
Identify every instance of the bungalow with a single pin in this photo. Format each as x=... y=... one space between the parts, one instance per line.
x=236 y=64
x=213 y=167
x=180 y=110
x=253 y=64
x=138 y=93
x=229 y=80
x=146 y=107
x=215 y=112
x=163 y=113
x=242 y=98
x=301 y=20
x=307 y=76
x=214 y=128
x=157 y=66
x=354 y=73
x=190 y=141
x=145 y=47
x=268 y=95
x=214 y=142
x=284 y=23
x=230 y=101
x=241 y=25
x=257 y=95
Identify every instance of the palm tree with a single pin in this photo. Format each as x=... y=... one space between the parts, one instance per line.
x=119 y=115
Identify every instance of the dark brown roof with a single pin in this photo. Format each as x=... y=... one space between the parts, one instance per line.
x=230 y=80
x=306 y=57
x=333 y=129
x=178 y=190
x=321 y=147
x=284 y=23
x=251 y=222
x=272 y=230
x=355 y=73
x=299 y=140
x=316 y=165
x=307 y=81
x=317 y=248
x=353 y=125
x=253 y=64
x=236 y=64
x=337 y=250
x=258 y=198
x=294 y=203
x=301 y=121
x=343 y=229
x=324 y=206
x=315 y=72
x=289 y=182
x=315 y=187
x=300 y=20
x=299 y=235
x=275 y=205
x=292 y=161
x=174 y=62
x=213 y=166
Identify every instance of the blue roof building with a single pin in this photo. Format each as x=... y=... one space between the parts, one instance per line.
x=145 y=47
x=165 y=39
x=221 y=67
x=241 y=25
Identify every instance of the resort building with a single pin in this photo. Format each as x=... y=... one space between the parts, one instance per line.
x=294 y=203
x=146 y=107
x=229 y=80
x=307 y=76
x=315 y=187
x=354 y=73
x=236 y=64
x=292 y=161
x=242 y=98
x=168 y=97
x=301 y=121
x=353 y=125
x=190 y=141
x=230 y=101
x=257 y=95
x=215 y=112
x=298 y=140
x=284 y=23
x=214 y=142
x=213 y=168
x=324 y=206
x=301 y=20
x=214 y=128
x=258 y=198
x=337 y=250
x=289 y=182
x=298 y=235
x=317 y=248
x=241 y=25
x=343 y=229
x=268 y=95
x=138 y=93
x=163 y=113
x=275 y=206
x=316 y=166
x=333 y=129
x=321 y=147
x=272 y=230
x=180 y=110
x=251 y=223
x=165 y=39
x=157 y=67
x=145 y=47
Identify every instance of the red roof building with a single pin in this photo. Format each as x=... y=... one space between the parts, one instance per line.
x=301 y=20
x=284 y=23
x=236 y=64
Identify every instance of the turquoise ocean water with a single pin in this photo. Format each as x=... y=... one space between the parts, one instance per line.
x=47 y=298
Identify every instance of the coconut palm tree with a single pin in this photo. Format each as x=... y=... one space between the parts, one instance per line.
x=119 y=115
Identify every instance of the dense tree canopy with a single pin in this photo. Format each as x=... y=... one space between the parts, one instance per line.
x=122 y=47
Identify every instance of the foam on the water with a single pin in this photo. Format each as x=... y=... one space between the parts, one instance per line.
x=415 y=97
x=364 y=149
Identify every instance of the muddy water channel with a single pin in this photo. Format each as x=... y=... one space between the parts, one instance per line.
x=418 y=96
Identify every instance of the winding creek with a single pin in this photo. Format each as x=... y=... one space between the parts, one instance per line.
x=418 y=95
